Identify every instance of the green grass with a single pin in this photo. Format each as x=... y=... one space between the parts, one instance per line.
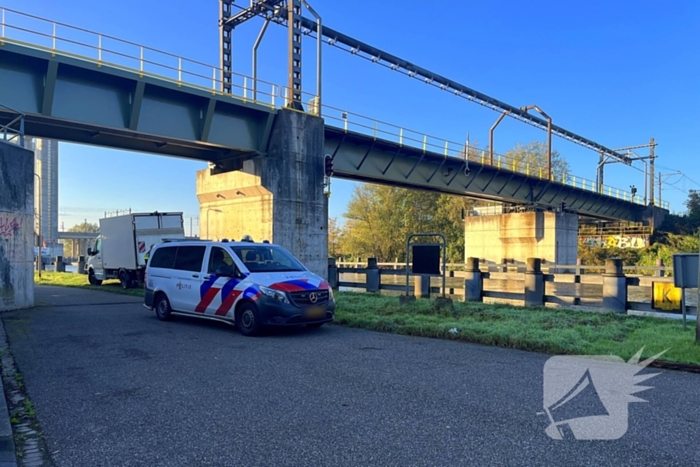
x=556 y=331
x=81 y=281
x=549 y=330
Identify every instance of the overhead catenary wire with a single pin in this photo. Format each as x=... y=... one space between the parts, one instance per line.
x=393 y=62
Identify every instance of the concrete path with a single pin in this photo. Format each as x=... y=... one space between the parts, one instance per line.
x=114 y=386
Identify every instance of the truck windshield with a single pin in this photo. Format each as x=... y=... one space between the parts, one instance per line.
x=264 y=258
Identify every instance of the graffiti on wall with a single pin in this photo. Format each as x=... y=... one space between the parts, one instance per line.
x=616 y=241
x=9 y=225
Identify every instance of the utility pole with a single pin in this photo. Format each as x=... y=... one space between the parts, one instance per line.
x=601 y=164
x=39 y=259
x=652 y=145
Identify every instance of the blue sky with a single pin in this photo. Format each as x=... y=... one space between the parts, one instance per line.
x=615 y=72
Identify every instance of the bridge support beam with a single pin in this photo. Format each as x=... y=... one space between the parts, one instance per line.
x=278 y=197
x=551 y=236
x=16 y=227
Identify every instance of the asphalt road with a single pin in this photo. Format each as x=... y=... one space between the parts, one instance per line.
x=114 y=386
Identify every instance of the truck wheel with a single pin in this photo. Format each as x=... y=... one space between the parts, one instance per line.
x=247 y=319
x=125 y=280
x=92 y=279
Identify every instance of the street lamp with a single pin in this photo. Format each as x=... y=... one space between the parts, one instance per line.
x=39 y=257
x=549 y=137
x=210 y=209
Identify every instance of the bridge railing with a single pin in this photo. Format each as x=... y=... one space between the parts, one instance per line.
x=102 y=49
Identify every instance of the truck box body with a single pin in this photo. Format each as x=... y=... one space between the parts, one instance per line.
x=126 y=239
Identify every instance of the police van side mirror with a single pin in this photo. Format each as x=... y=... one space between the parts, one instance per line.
x=89 y=251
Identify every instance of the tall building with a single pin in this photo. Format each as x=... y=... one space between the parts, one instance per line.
x=46 y=208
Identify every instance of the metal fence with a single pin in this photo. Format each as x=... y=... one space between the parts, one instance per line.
x=561 y=285
x=512 y=266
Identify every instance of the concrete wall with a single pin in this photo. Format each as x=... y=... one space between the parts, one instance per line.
x=16 y=227
x=278 y=197
x=547 y=235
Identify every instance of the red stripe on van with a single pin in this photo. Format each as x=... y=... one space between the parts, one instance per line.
x=206 y=300
x=228 y=303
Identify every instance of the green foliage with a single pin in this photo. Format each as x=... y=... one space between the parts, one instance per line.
x=677 y=234
x=665 y=249
x=693 y=205
x=674 y=223
x=86 y=227
x=334 y=234
x=380 y=219
x=532 y=157
x=597 y=255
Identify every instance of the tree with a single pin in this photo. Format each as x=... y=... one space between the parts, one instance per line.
x=532 y=158
x=86 y=227
x=380 y=219
x=334 y=238
x=693 y=205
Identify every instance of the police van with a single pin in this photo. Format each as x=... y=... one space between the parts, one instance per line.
x=251 y=285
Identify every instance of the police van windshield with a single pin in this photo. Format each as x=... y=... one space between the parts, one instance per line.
x=264 y=258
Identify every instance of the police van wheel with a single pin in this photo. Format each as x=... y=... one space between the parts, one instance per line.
x=247 y=319
x=162 y=307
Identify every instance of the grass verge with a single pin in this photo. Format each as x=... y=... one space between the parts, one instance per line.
x=554 y=331
x=81 y=281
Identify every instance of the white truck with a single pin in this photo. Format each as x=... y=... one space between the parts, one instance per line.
x=121 y=249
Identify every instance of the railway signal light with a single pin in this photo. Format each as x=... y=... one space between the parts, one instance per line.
x=328 y=165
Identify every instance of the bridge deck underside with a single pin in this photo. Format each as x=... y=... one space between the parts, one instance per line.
x=78 y=100
x=363 y=158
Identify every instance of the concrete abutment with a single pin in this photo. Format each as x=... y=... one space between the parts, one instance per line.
x=278 y=196
x=16 y=227
x=551 y=236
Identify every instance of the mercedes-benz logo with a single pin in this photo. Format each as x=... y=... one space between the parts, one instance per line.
x=313 y=297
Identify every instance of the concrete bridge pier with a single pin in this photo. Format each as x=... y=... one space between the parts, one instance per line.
x=551 y=236
x=277 y=197
x=16 y=227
